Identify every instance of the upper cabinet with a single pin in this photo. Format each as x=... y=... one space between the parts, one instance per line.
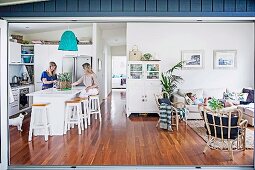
x=85 y=50
x=27 y=53
x=143 y=70
x=14 y=52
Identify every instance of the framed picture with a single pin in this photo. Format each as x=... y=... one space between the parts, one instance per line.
x=193 y=59
x=224 y=59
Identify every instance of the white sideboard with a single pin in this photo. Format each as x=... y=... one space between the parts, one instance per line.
x=143 y=82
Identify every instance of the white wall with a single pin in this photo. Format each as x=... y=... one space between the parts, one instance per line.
x=99 y=55
x=81 y=33
x=166 y=40
x=108 y=58
x=119 y=50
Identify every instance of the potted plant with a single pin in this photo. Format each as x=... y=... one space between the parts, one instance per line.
x=215 y=104
x=146 y=56
x=64 y=81
x=169 y=80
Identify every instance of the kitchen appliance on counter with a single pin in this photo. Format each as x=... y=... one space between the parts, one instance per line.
x=73 y=65
x=23 y=99
x=24 y=77
x=15 y=80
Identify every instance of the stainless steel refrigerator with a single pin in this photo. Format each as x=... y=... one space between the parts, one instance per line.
x=73 y=64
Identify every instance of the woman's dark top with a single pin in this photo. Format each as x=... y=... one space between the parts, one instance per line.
x=48 y=78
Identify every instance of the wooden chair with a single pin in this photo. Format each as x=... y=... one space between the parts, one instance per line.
x=225 y=127
x=174 y=106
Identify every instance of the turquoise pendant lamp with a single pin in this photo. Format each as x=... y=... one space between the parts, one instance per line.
x=68 y=42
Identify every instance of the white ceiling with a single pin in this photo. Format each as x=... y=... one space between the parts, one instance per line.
x=14 y=2
x=28 y=28
x=114 y=34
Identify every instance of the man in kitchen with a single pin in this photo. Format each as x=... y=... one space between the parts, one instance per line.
x=49 y=77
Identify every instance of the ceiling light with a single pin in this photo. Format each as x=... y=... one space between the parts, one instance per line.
x=68 y=42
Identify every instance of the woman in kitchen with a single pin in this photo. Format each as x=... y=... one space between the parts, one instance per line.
x=89 y=80
x=49 y=77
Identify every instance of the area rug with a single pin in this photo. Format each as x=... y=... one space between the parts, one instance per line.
x=198 y=127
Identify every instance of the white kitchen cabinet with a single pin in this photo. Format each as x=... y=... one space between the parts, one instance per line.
x=41 y=63
x=14 y=106
x=85 y=50
x=14 y=52
x=143 y=82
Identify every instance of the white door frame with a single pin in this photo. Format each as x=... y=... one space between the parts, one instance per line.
x=4 y=54
x=4 y=94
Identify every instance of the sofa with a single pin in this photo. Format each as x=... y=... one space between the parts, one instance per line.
x=179 y=96
x=248 y=112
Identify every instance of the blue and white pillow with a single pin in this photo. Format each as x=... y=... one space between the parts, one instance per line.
x=233 y=96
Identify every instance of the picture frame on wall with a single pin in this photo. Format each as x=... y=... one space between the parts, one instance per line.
x=224 y=59
x=193 y=59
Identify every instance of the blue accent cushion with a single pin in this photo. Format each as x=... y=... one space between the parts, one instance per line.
x=164 y=100
x=250 y=98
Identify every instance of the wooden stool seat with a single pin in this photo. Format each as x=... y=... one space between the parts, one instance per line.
x=40 y=104
x=73 y=101
x=81 y=98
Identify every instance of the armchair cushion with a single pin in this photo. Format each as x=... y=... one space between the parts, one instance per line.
x=233 y=131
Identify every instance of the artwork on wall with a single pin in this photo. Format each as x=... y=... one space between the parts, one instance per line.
x=193 y=59
x=224 y=59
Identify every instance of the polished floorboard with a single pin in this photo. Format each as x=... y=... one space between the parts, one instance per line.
x=119 y=140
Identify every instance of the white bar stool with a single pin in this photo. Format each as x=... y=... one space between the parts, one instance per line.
x=73 y=115
x=40 y=120
x=84 y=101
x=94 y=107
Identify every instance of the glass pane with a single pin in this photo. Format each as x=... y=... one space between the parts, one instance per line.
x=152 y=67
x=136 y=67
x=153 y=75
x=136 y=75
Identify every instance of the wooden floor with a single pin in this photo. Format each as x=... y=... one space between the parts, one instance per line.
x=118 y=140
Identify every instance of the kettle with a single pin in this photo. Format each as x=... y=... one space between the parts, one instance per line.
x=15 y=79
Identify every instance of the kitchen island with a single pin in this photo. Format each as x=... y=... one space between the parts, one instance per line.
x=57 y=99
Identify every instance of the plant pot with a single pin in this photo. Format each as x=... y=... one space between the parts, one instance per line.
x=64 y=85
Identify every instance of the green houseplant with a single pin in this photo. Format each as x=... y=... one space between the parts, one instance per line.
x=146 y=56
x=64 y=81
x=169 y=80
x=215 y=104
